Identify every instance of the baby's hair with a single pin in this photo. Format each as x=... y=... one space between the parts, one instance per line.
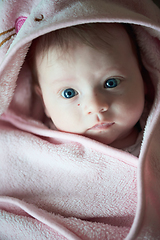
x=65 y=38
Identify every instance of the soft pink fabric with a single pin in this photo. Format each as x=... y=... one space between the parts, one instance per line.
x=56 y=185
x=19 y=23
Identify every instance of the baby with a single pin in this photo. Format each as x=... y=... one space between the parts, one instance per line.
x=89 y=78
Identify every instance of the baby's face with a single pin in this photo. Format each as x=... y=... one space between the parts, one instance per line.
x=98 y=94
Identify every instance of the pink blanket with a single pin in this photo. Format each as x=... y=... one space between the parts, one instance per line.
x=56 y=185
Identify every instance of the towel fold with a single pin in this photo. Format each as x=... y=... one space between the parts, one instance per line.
x=56 y=185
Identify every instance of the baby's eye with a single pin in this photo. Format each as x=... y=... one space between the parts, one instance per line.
x=112 y=83
x=69 y=93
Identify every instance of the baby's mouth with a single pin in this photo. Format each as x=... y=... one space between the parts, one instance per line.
x=101 y=126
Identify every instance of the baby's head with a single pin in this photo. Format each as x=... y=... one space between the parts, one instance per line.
x=90 y=81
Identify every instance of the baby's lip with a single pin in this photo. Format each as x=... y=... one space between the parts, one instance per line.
x=102 y=126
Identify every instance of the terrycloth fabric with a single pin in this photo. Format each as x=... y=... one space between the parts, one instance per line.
x=56 y=185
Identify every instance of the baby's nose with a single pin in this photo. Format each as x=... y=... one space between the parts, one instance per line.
x=96 y=105
x=95 y=110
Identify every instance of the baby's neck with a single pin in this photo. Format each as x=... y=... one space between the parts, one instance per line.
x=128 y=141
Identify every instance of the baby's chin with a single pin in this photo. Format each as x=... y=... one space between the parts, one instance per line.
x=121 y=141
x=107 y=137
x=102 y=138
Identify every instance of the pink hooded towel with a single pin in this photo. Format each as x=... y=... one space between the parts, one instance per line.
x=56 y=185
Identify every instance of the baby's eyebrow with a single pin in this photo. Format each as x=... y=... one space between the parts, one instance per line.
x=60 y=80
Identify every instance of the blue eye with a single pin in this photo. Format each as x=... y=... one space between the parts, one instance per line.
x=112 y=83
x=69 y=93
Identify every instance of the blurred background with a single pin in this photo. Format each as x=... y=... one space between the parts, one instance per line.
x=157 y=2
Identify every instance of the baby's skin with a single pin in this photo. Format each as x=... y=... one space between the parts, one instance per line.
x=95 y=92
